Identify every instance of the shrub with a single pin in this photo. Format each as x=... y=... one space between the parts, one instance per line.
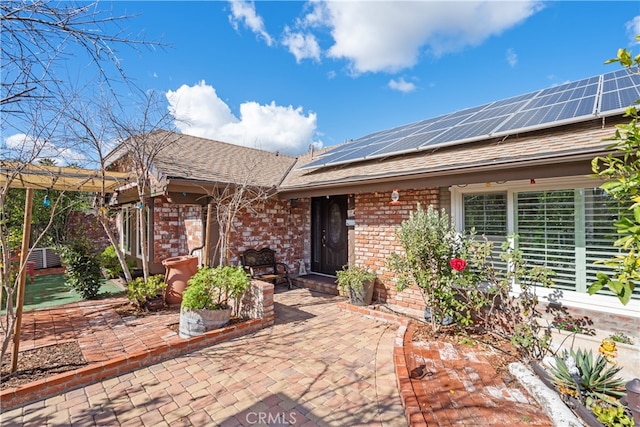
x=139 y=290
x=212 y=287
x=82 y=267
x=111 y=264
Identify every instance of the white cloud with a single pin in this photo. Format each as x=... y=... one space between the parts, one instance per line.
x=387 y=37
x=301 y=45
x=402 y=85
x=512 y=57
x=633 y=29
x=200 y=112
x=27 y=148
x=244 y=12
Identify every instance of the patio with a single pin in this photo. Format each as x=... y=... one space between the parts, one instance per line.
x=322 y=363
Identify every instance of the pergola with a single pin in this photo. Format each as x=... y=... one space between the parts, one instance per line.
x=43 y=177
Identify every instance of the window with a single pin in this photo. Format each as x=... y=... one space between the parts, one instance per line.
x=139 y=232
x=126 y=227
x=565 y=229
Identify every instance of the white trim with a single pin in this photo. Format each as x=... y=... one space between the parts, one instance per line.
x=603 y=303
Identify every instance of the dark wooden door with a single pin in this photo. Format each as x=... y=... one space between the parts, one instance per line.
x=329 y=234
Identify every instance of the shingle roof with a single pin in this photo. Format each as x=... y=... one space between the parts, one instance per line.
x=567 y=141
x=195 y=158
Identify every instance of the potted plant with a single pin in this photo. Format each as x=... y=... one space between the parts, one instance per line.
x=147 y=294
x=356 y=282
x=206 y=300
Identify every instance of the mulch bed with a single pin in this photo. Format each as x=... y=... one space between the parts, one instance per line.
x=42 y=362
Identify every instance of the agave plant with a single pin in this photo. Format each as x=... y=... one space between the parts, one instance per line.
x=578 y=371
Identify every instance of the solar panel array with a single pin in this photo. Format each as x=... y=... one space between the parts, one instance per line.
x=572 y=102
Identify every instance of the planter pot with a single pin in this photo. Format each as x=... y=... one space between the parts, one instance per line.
x=155 y=303
x=178 y=271
x=197 y=322
x=362 y=296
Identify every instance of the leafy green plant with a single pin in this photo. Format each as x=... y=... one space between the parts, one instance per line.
x=588 y=377
x=139 y=290
x=610 y=413
x=212 y=287
x=621 y=337
x=109 y=261
x=82 y=267
x=353 y=277
x=621 y=170
x=460 y=281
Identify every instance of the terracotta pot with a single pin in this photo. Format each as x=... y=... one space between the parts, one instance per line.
x=178 y=271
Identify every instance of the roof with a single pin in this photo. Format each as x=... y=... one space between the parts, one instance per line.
x=200 y=159
x=557 y=144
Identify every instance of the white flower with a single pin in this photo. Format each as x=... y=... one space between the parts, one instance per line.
x=571 y=365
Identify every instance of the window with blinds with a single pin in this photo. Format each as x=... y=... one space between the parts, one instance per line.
x=546 y=227
x=487 y=213
x=566 y=230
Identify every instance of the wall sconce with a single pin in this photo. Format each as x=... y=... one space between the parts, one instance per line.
x=395 y=198
x=293 y=203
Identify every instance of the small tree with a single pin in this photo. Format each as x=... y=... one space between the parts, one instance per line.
x=621 y=169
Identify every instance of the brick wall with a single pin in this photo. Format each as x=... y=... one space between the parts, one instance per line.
x=80 y=224
x=176 y=229
x=273 y=223
x=278 y=225
x=376 y=222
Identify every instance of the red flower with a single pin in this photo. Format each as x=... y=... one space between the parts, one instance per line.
x=458 y=264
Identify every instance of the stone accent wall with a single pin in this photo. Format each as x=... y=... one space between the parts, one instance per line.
x=376 y=223
x=278 y=225
x=176 y=229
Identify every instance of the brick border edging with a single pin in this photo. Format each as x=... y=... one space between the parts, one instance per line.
x=48 y=387
x=404 y=336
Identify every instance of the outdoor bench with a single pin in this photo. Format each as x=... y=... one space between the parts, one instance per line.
x=261 y=264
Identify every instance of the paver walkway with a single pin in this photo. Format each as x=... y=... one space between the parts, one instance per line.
x=317 y=366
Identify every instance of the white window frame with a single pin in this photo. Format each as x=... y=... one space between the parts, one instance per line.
x=125 y=234
x=606 y=303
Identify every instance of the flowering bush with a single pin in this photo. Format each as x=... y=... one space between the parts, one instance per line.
x=456 y=274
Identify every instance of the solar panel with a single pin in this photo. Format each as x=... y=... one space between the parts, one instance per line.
x=620 y=89
x=571 y=102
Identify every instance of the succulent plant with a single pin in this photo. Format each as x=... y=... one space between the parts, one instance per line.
x=578 y=371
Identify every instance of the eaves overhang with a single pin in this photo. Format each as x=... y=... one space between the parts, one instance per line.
x=543 y=166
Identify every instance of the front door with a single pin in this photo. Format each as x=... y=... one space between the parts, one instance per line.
x=329 y=237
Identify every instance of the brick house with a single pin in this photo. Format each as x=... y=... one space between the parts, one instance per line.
x=333 y=206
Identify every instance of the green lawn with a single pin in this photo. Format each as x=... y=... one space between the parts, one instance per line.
x=49 y=291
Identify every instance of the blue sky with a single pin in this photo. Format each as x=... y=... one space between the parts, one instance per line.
x=283 y=75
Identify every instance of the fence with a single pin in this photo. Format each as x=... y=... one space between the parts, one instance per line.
x=44 y=258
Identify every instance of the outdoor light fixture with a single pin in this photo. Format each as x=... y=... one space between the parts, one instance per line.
x=46 y=202
x=395 y=198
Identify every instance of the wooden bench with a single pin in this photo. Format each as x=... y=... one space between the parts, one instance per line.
x=261 y=264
